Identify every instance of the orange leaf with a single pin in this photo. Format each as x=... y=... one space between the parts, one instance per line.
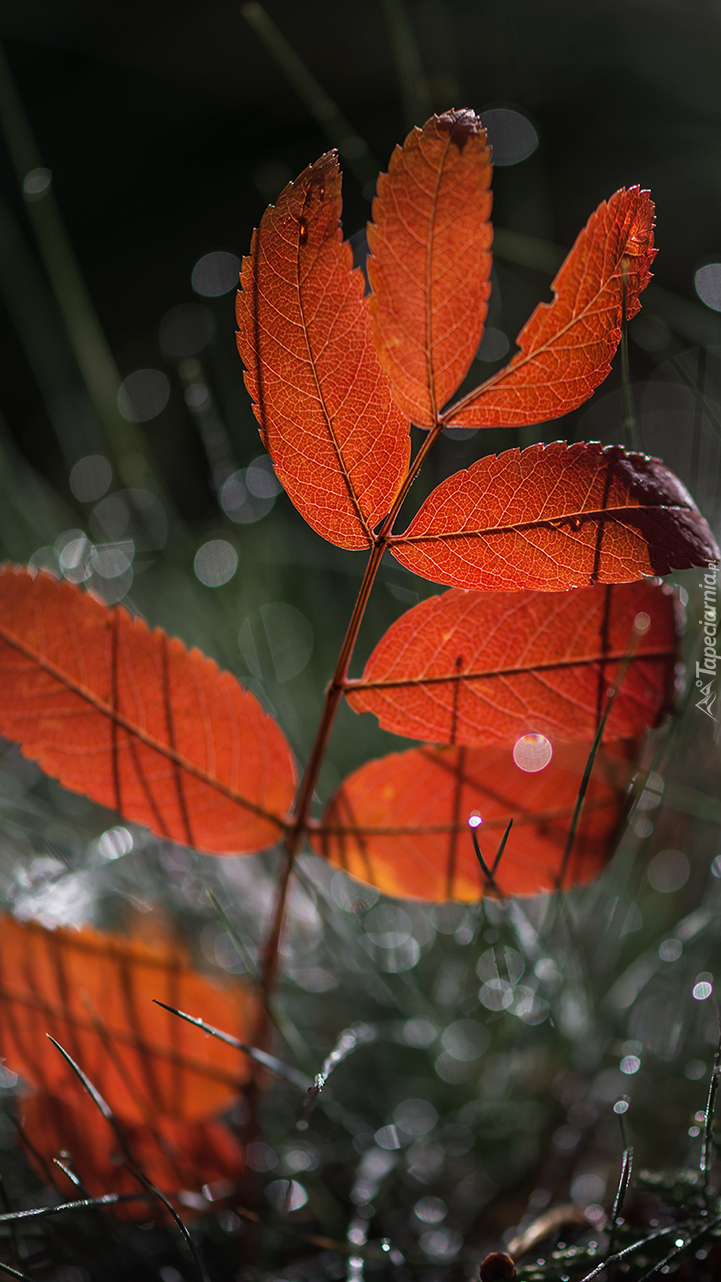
x=401 y=822
x=487 y=667
x=556 y=516
x=567 y=345
x=431 y=239
x=175 y=1155
x=338 y=443
x=94 y=994
x=136 y=721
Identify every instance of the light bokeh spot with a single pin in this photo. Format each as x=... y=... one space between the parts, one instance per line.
x=419 y=1032
x=494 y=345
x=215 y=274
x=668 y=871
x=511 y=135
x=186 y=330
x=588 y=1188
x=431 y=1210
x=112 y=560
x=708 y=285
x=90 y=478
x=532 y=752
x=36 y=183
x=115 y=843
x=286 y=1195
x=215 y=563
x=670 y=950
x=465 y=1040
x=143 y=395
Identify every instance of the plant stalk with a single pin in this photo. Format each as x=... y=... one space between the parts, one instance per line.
x=333 y=694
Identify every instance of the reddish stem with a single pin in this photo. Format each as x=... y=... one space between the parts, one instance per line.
x=333 y=694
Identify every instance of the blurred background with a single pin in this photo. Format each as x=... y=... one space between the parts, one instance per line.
x=139 y=145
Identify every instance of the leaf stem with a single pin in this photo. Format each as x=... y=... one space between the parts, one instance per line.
x=333 y=695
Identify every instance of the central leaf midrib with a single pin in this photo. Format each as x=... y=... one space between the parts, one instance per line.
x=478 y=393
x=383 y=683
x=548 y=522
x=325 y=411
x=76 y=687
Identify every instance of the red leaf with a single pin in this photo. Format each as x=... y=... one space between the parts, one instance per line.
x=556 y=516
x=401 y=822
x=338 y=443
x=431 y=239
x=176 y=1155
x=567 y=345
x=94 y=994
x=487 y=667
x=137 y=722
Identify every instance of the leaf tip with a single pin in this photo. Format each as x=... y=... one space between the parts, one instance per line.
x=460 y=123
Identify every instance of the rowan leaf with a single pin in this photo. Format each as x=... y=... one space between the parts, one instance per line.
x=556 y=516
x=567 y=345
x=430 y=241
x=401 y=822
x=338 y=443
x=94 y=994
x=176 y=1155
x=489 y=667
x=137 y=722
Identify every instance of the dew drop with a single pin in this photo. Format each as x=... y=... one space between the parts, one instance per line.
x=302 y=231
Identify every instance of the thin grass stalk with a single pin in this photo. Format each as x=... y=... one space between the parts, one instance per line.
x=82 y=1204
x=339 y=131
x=412 y=78
x=623 y=1183
x=261 y=1057
x=131 y=1165
x=707 y=1142
x=610 y=700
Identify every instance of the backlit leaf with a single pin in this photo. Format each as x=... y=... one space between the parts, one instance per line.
x=338 y=443
x=430 y=241
x=137 y=722
x=567 y=345
x=487 y=667
x=94 y=994
x=176 y=1155
x=401 y=822
x=556 y=516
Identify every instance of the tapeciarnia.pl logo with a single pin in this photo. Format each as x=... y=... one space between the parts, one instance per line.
x=706 y=670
